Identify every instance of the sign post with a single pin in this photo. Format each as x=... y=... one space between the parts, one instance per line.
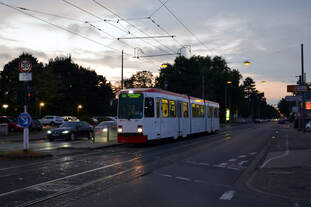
x=24 y=119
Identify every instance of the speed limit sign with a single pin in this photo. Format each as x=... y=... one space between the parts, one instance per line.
x=25 y=65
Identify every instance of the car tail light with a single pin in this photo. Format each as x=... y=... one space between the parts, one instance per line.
x=120 y=130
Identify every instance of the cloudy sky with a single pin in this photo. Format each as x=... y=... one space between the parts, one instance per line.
x=268 y=33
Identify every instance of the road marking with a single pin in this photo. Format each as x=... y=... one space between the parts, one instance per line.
x=183 y=178
x=232 y=160
x=198 y=163
x=233 y=168
x=227 y=195
x=242 y=162
x=277 y=157
x=205 y=164
x=252 y=153
x=166 y=175
x=242 y=156
x=222 y=165
x=227 y=138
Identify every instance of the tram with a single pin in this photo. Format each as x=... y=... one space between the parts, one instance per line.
x=149 y=113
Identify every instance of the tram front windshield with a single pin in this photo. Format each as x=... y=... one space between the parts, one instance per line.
x=130 y=106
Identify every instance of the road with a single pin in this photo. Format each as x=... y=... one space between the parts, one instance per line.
x=200 y=171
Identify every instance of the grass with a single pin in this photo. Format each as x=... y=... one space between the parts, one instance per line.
x=21 y=154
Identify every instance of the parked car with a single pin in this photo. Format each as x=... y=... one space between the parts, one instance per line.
x=35 y=125
x=12 y=123
x=70 y=118
x=52 y=120
x=71 y=131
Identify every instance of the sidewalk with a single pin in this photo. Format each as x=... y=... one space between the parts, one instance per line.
x=286 y=169
x=18 y=137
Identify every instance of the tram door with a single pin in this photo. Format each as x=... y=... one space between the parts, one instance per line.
x=179 y=117
x=157 y=126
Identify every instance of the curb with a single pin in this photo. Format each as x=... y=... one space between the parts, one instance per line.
x=88 y=148
x=244 y=182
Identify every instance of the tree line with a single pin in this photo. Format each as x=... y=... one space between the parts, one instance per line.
x=63 y=85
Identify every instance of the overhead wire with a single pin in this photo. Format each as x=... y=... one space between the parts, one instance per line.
x=178 y=20
x=23 y=11
x=59 y=27
x=132 y=25
x=98 y=17
x=158 y=9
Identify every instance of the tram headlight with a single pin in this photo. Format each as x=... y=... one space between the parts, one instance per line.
x=120 y=130
x=140 y=129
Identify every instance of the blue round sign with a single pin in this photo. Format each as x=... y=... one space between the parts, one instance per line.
x=24 y=120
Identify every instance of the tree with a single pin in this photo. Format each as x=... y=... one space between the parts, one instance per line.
x=285 y=107
x=142 y=79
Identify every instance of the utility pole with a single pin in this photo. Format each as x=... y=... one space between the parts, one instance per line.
x=303 y=93
x=122 y=71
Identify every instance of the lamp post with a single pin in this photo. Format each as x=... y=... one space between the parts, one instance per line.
x=42 y=104
x=227 y=110
x=5 y=106
x=79 y=107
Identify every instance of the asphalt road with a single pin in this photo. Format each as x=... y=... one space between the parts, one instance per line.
x=199 y=171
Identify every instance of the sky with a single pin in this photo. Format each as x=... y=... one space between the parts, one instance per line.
x=268 y=33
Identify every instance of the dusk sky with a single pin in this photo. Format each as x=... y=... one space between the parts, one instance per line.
x=268 y=33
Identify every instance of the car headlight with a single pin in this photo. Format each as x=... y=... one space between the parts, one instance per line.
x=49 y=132
x=105 y=129
x=120 y=130
x=140 y=129
x=65 y=132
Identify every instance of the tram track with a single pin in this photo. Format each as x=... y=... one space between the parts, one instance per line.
x=153 y=154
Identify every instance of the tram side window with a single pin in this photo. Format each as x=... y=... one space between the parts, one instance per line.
x=198 y=110
x=149 y=107
x=185 y=109
x=208 y=112
x=158 y=108
x=202 y=110
x=212 y=111
x=194 y=114
x=216 y=112
x=172 y=108
x=164 y=108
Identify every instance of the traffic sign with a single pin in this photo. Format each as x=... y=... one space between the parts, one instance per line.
x=297 y=88
x=24 y=120
x=25 y=76
x=25 y=65
x=293 y=98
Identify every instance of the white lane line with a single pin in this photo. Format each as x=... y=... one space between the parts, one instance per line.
x=241 y=163
x=204 y=164
x=242 y=156
x=233 y=168
x=66 y=177
x=165 y=175
x=232 y=160
x=198 y=163
x=252 y=153
x=277 y=157
x=183 y=178
x=227 y=195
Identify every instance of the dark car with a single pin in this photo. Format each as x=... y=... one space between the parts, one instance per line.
x=35 y=125
x=12 y=123
x=71 y=131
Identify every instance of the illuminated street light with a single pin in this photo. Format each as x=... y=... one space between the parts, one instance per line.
x=5 y=106
x=229 y=82
x=78 y=109
x=164 y=66
x=246 y=62
x=42 y=104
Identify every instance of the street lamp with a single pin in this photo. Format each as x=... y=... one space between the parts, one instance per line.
x=246 y=62
x=42 y=104
x=78 y=109
x=227 y=111
x=5 y=106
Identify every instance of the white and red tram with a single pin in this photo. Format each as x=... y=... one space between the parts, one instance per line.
x=148 y=114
